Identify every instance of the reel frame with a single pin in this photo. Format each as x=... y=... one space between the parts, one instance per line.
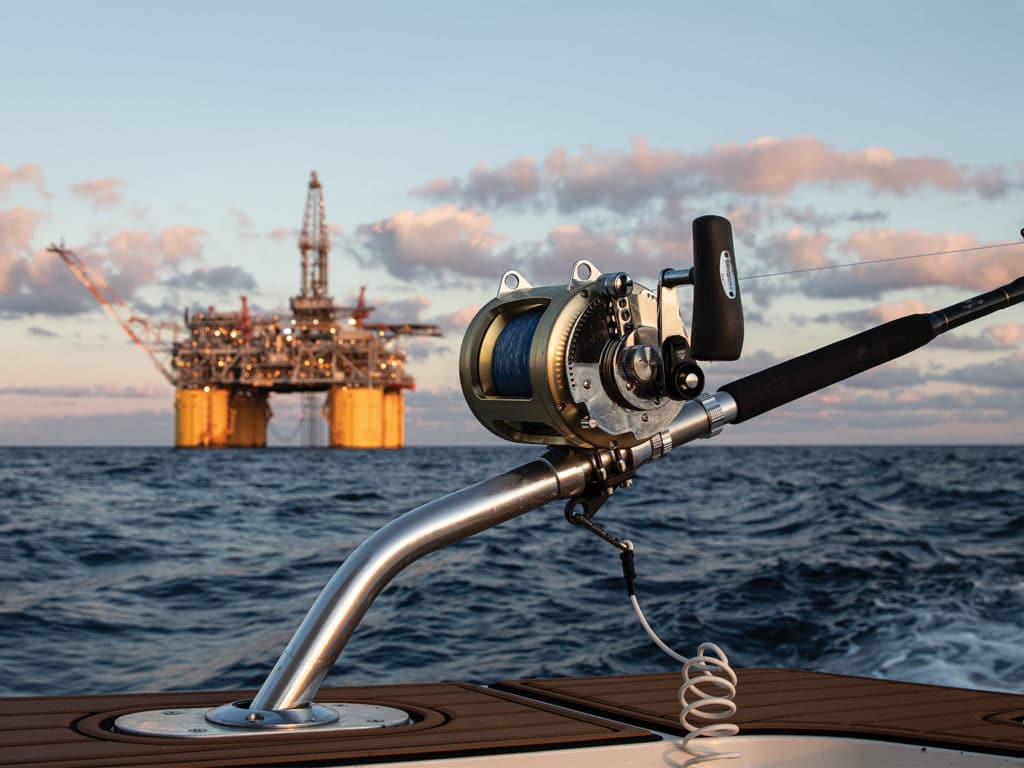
x=574 y=403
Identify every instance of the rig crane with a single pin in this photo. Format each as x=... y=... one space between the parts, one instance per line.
x=145 y=333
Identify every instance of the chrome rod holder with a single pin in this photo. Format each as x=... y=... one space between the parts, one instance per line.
x=285 y=702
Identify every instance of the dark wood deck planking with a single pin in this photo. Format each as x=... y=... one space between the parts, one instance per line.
x=452 y=719
x=789 y=701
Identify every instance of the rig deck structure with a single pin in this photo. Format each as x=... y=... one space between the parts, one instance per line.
x=228 y=363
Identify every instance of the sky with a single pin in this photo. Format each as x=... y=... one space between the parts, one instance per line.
x=170 y=146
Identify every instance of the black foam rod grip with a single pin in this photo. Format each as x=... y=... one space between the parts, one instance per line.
x=717 y=326
x=816 y=370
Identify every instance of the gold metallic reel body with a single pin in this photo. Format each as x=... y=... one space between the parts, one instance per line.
x=584 y=376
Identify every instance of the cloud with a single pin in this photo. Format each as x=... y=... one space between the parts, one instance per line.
x=629 y=180
x=450 y=241
x=222 y=279
x=17 y=230
x=795 y=249
x=774 y=166
x=398 y=311
x=432 y=245
x=945 y=264
x=863 y=217
x=456 y=322
x=616 y=180
x=1010 y=334
x=114 y=391
x=136 y=427
x=509 y=185
x=886 y=378
x=42 y=333
x=102 y=193
x=550 y=260
x=752 y=215
x=35 y=281
x=29 y=173
x=182 y=243
x=860 y=319
x=1004 y=373
x=997 y=337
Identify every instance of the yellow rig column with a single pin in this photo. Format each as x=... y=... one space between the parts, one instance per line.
x=365 y=417
x=202 y=417
x=249 y=413
x=394 y=419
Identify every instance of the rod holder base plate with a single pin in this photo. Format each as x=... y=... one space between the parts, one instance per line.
x=236 y=719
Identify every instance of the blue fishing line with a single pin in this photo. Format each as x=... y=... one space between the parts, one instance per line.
x=511 y=366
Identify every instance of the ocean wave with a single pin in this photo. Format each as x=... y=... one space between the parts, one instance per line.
x=160 y=569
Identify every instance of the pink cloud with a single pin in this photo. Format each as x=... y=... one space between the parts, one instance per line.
x=795 y=249
x=946 y=264
x=1010 y=335
x=102 y=193
x=775 y=166
x=569 y=243
x=446 y=239
x=440 y=187
x=887 y=312
x=182 y=243
x=38 y=282
x=457 y=320
x=627 y=180
x=29 y=173
x=17 y=230
x=509 y=184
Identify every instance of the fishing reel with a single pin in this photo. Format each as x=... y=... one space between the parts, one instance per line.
x=601 y=362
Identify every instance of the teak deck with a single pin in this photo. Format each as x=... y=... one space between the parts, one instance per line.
x=453 y=719
x=460 y=719
x=789 y=701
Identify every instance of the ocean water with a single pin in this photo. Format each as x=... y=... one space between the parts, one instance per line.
x=154 y=569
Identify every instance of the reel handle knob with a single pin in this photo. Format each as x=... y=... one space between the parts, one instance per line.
x=717 y=328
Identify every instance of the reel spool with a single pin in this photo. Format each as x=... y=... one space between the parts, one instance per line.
x=601 y=362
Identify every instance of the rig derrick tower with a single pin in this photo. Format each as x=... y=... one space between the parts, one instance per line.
x=313 y=300
x=314 y=239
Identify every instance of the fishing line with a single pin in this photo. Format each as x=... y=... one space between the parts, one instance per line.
x=882 y=261
x=511 y=368
x=707 y=694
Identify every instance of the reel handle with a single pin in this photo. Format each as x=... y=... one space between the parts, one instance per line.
x=716 y=331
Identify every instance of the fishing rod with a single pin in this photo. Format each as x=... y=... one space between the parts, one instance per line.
x=601 y=370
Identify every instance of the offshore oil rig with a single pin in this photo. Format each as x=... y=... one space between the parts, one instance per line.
x=228 y=363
